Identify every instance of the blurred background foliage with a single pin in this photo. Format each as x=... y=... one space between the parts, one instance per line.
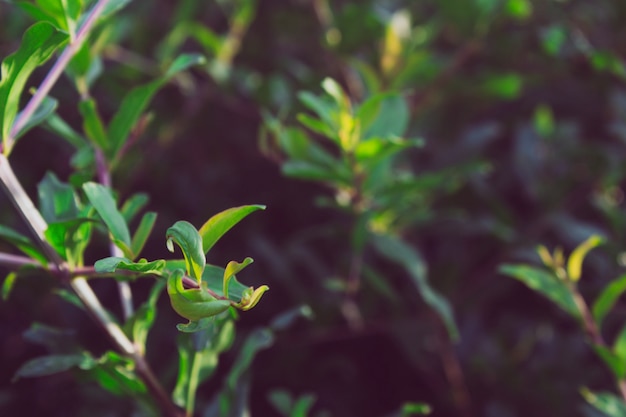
x=521 y=107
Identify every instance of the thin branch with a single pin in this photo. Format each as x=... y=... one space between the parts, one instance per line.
x=126 y=295
x=16 y=261
x=54 y=74
x=38 y=225
x=593 y=332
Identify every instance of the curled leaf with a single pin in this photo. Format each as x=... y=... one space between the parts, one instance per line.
x=193 y=304
x=187 y=237
x=575 y=261
x=233 y=268
x=251 y=297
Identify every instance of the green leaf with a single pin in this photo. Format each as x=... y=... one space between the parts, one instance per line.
x=143 y=232
x=318 y=126
x=218 y=225
x=609 y=404
x=49 y=365
x=133 y=206
x=135 y=103
x=102 y=200
x=56 y=340
x=213 y=277
x=57 y=200
x=114 y=263
x=322 y=107
x=607 y=298
x=44 y=111
x=504 y=86
x=313 y=171
x=190 y=241
x=23 y=243
x=399 y=252
x=411 y=409
x=7 y=285
x=139 y=325
x=259 y=339
x=545 y=283
x=38 y=44
x=69 y=238
x=619 y=346
x=575 y=261
x=58 y=126
x=384 y=115
x=193 y=304
x=231 y=269
x=92 y=123
x=115 y=374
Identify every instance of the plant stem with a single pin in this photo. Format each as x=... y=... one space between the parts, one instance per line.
x=38 y=225
x=126 y=296
x=592 y=330
x=54 y=74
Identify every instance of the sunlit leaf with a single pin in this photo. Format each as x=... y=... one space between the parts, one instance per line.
x=219 y=224
x=102 y=200
x=545 y=283
x=37 y=46
x=575 y=261
x=231 y=269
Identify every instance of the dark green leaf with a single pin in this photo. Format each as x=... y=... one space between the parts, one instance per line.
x=286 y=319
x=399 y=252
x=313 y=171
x=102 y=200
x=133 y=206
x=48 y=365
x=259 y=339
x=222 y=222
x=38 y=44
x=57 y=200
x=545 y=283
x=384 y=115
x=92 y=123
x=190 y=241
x=607 y=298
x=23 y=243
x=56 y=340
x=135 y=103
x=322 y=107
x=112 y=264
x=139 y=325
x=43 y=112
x=57 y=125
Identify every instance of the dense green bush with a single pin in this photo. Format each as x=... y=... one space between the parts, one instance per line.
x=411 y=154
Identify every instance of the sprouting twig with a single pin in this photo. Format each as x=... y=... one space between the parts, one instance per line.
x=54 y=74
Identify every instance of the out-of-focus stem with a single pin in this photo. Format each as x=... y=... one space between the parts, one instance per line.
x=126 y=295
x=54 y=74
x=592 y=330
